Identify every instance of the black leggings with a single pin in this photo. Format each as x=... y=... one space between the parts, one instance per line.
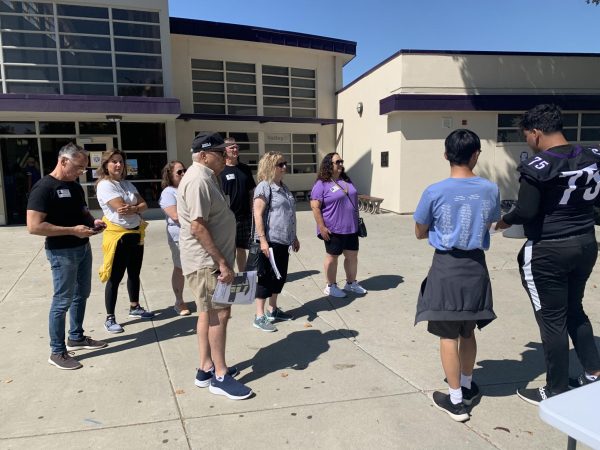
x=128 y=255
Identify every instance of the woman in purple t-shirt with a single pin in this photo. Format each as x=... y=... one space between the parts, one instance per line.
x=334 y=201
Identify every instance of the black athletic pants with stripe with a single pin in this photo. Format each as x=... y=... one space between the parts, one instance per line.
x=554 y=273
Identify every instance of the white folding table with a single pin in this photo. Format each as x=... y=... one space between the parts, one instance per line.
x=575 y=413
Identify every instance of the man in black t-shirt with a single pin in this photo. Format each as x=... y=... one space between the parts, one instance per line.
x=238 y=183
x=559 y=187
x=57 y=209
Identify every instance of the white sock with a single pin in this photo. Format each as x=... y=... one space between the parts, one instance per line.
x=591 y=377
x=466 y=380
x=455 y=395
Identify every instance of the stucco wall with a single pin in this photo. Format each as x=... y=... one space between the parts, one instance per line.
x=416 y=139
x=328 y=78
x=362 y=138
x=493 y=74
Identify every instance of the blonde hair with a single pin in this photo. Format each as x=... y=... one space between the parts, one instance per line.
x=266 y=166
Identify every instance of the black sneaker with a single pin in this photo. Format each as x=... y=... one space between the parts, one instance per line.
x=203 y=378
x=581 y=380
x=277 y=314
x=470 y=395
x=87 y=343
x=64 y=361
x=443 y=402
x=534 y=396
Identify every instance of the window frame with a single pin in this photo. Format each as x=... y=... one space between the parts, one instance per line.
x=228 y=106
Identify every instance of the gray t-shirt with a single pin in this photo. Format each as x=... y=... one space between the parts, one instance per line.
x=281 y=226
x=168 y=197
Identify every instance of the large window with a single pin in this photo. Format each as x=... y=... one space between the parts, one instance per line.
x=224 y=87
x=289 y=92
x=509 y=131
x=76 y=49
x=299 y=150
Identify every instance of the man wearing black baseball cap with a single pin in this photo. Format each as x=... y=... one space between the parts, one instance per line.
x=207 y=247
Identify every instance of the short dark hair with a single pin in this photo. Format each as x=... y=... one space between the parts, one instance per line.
x=460 y=146
x=546 y=118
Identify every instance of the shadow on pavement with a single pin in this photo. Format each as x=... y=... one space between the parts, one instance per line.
x=382 y=282
x=299 y=275
x=518 y=373
x=295 y=352
x=183 y=326
x=312 y=308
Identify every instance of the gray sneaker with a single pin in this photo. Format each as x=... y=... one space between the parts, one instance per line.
x=139 y=312
x=64 y=361
x=277 y=314
x=264 y=324
x=112 y=326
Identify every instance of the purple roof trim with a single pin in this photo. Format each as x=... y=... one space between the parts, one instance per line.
x=424 y=102
x=88 y=104
x=193 y=27
x=261 y=119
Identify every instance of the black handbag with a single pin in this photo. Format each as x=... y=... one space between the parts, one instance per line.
x=256 y=258
x=362 y=228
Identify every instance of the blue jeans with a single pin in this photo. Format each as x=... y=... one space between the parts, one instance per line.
x=72 y=279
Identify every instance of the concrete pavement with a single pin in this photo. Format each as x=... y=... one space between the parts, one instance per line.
x=347 y=373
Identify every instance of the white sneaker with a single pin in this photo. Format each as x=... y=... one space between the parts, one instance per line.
x=334 y=291
x=355 y=287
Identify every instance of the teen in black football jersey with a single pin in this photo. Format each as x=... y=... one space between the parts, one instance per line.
x=559 y=187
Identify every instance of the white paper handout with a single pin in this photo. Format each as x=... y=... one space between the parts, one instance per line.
x=273 y=264
x=240 y=292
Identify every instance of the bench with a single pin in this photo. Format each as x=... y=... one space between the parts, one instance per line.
x=369 y=204
x=301 y=196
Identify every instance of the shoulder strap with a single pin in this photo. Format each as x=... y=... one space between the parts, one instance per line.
x=346 y=193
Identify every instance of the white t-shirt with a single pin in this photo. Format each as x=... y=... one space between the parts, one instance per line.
x=168 y=197
x=107 y=190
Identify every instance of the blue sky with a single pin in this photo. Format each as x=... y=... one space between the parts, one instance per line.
x=382 y=27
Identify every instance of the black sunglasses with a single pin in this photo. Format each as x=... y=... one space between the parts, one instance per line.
x=282 y=164
x=339 y=162
x=180 y=172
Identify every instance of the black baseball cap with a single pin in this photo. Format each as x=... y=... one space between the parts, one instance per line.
x=208 y=142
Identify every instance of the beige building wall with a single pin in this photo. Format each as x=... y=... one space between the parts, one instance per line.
x=328 y=68
x=415 y=139
x=362 y=138
x=495 y=74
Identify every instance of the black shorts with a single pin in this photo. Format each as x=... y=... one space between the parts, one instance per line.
x=337 y=243
x=451 y=329
x=242 y=231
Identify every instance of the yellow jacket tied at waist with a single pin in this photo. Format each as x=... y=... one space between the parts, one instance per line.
x=110 y=239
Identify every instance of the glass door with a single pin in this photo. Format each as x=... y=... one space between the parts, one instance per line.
x=95 y=147
x=20 y=171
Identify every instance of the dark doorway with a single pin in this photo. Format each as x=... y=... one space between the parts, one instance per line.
x=20 y=170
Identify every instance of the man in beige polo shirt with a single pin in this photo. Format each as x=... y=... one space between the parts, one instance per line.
x=207 y=246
